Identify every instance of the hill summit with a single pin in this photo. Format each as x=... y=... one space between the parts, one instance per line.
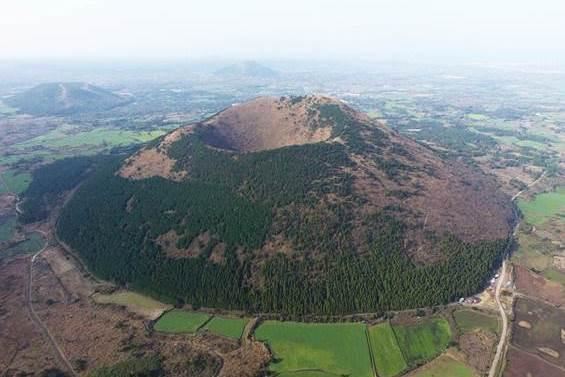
x=247 y=69
x=64 y=99
x=292 y=204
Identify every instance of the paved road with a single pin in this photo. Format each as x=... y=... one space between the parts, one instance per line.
x=504 y=335
x=61 y=358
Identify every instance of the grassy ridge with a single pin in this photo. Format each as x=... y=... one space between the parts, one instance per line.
x=389 y=360
x=338 y=349
x=423 y=341
x=180 y=321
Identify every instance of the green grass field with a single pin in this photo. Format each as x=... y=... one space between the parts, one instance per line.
x=7 y=228
x=469 y=320
x=180 y=321
x=533 y=252
x=69 y=140
x=308 y=373
x=16 y=182
x=543 y=206
x=444 y=366
x=6 y=110
x=555 y=275
x=386 y=352
x=230 y=327
x=423 y=341
x=478 y=117
x=338 y=349
x=33 y=243
x=135 y=302
x=71 y=136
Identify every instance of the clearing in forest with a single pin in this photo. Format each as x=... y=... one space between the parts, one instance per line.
x=314 y=349
x=134 y=302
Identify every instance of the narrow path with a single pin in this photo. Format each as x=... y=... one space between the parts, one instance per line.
x=530 y=185
x=502 y=344
x=248 y=330
x=61 y=358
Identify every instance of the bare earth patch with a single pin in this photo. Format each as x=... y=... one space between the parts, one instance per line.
x=536 y=285
x=154 y=161
x=266 y=123
x=24 y=350
x=523 y=364
x=525 y=324
x=478 y=348
x=549 y=351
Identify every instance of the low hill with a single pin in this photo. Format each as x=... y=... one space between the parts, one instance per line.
x=65 y=99
x=296 y=205
x=247 y=69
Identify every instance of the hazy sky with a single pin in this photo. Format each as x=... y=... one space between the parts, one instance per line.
x=477 y=30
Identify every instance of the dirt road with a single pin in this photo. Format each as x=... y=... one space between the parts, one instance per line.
x=502 y=344
x=504 y=333
x=61 y=358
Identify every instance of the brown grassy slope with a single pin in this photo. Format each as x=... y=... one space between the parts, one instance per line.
x=445 y=197
x=266 y=123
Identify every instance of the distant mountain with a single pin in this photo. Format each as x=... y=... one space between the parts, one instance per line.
x=295 y=205
x=247 y=69
x=65 y=99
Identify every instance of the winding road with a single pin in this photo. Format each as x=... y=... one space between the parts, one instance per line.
x=502 y=344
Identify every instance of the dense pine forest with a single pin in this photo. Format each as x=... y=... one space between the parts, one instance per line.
x=114 y=223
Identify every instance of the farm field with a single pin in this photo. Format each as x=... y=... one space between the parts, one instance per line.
x=543 y=206
x=469 y=320
x=533 y=252
x=423 y=341
x=444 y=366
x=230 y=327
x=134 y=302
x=70 y=140
x=15 y=182
x=538 y=328
x=535 y=285
x=5 y=109
x=181 y=321
x=308 y=373
x=335 y=349
x=523 y=364
x=71 y=136
x=7 y=227
x=388 y=357
x=33 y=243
